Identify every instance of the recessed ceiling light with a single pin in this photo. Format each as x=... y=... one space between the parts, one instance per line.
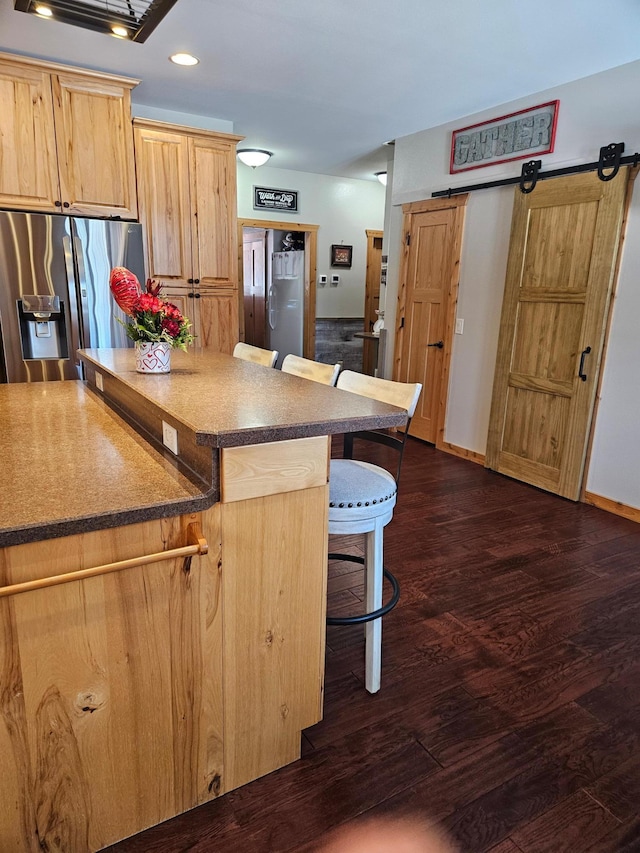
x=43 y=11
x=184 y=59
x=121 y=32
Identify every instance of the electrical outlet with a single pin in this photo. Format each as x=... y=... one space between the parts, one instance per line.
x=170 y=437
x=99 y=382
x=459 y=326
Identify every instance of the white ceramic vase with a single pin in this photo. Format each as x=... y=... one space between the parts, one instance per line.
x=153 y=357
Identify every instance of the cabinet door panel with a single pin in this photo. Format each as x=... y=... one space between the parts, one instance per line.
x=117 y=720
x=28 y=168
x=95 y=146
x=217 y=321
x=162 y=161
x=213 y=199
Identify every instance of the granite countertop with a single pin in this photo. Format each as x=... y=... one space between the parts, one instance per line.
x=72 y=465
x=227 y=402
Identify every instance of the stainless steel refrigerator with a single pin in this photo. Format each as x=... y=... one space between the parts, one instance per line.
x=285 y=304
x=54 y=291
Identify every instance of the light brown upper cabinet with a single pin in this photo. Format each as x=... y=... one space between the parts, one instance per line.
x=66 y=144
x=187 y=195
x=565 y=237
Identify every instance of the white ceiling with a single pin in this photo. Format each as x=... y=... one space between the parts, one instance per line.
x=325 y=84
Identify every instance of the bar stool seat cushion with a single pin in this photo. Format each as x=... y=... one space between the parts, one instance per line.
x=359 y=490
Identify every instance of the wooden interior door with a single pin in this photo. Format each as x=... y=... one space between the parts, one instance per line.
x=564 y=244
x=426 y=307
x=371 y=300
x=254 y=247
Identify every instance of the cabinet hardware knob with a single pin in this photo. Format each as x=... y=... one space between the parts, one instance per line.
x=58 y=203
x=190 y=295
x=197 y=295
x=196 y=281
x=65 y=204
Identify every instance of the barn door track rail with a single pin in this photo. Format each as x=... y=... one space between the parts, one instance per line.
x=607 y=167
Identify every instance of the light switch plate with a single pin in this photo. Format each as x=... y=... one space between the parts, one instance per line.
x=99 y=382
x=322 y=280
x=335 y=280
x=459 y=326
x=170 y=437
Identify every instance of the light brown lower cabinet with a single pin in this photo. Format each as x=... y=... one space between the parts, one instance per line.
x=213 y=315
x=128 y=698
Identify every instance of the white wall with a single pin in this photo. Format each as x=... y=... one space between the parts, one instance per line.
x=344 y=209
x=594 y=111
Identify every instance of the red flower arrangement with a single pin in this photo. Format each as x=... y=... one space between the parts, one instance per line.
x=152 y=319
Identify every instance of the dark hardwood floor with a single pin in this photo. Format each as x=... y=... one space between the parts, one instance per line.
x=510 y=704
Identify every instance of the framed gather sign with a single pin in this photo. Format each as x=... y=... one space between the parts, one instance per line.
x=511 y=137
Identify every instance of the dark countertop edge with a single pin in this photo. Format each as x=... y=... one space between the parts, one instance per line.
x=88 y=524
x=264 y=434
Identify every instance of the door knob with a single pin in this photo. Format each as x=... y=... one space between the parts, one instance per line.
x=439 y=344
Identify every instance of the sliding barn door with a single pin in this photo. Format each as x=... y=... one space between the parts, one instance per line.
x=564 y=244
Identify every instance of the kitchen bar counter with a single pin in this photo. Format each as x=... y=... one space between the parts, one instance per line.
x=162 y=614
x=79 y=463
x=228 y=402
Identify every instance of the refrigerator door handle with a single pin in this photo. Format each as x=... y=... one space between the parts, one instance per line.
x=272 y=308
x=73 y=318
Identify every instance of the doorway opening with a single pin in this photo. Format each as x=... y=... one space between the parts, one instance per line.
x=277 y=267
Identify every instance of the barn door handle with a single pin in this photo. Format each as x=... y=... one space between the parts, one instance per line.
x=581 y=373
x=439 y=344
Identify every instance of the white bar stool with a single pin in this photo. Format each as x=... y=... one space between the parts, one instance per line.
x=361 y=500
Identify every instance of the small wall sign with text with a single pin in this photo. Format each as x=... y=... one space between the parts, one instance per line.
x=266 y=198
x=511 y=137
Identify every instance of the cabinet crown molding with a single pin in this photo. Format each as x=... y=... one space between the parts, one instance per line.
x=153 y=124
x=59 y=68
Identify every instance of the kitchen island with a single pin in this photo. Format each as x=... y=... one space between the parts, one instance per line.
x=190 y=662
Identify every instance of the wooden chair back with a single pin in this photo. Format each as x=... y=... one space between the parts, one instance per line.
x=257 y=355
x=316 y=371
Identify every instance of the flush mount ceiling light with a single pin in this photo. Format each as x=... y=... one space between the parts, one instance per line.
x=184 y=59
x=135 y=19
x=253 y=156
x=382 y=177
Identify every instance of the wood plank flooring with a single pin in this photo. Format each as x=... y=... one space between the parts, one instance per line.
x=509 y=712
